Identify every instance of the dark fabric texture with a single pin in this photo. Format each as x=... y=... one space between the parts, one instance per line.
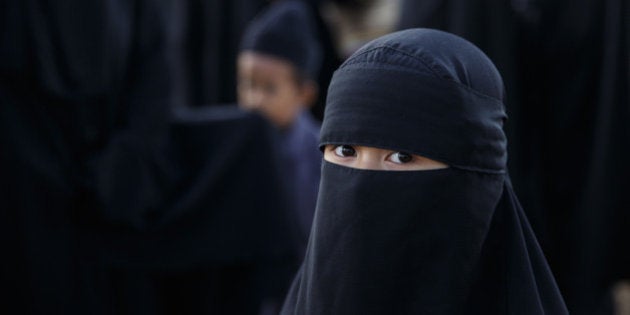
x=447 y=241
x=108 y=206
x=77 y=79
x=216 y=155
x=222 y=242
x=331 y=59
x=208 y=34
x=466 y=109
x=497 y=27
x=566 y=67
x=301 y=160
x=286 y=30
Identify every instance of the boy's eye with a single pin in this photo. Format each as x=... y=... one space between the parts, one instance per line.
x=401 y=157
x=270 y=89
x=244 y=84
x=345 y=151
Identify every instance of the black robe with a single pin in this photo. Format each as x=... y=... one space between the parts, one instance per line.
x=222 y=242
x=76 y=80
x=107 y=204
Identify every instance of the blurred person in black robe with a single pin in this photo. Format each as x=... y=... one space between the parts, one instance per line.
x=108 y=205
x=81 y=82
x=278 y=65
x=223 y=243
x=567 y=65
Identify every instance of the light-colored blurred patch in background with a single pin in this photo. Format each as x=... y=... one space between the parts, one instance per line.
x=355 y=26
x=622 y=298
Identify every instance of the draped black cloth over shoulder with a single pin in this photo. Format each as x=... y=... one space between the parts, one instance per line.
x=446 y=241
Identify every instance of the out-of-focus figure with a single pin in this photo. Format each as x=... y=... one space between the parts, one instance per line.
x=278 y=63
x=109 y=204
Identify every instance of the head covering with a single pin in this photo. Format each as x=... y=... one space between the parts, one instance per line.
x=446 y=241
x=286 y=30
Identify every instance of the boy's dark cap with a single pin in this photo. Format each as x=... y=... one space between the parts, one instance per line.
x=286 y=30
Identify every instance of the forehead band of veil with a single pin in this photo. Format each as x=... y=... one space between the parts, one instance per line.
x=383 y=97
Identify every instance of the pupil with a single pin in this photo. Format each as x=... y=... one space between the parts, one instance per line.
x=404 y=157
x=347 y=150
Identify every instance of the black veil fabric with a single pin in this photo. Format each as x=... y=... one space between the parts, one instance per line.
x=497 y=28
x=566 y=66
x=446 y=241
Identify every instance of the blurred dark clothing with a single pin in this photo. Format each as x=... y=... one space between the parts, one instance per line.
x=81 y=82
x=301 y=168
x=331 y=58
x=235 y=217
x=109 y=206
x=208 y=34
x=566 y=68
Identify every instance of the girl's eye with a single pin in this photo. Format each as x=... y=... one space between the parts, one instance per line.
x=345 y=151
x=401 y=157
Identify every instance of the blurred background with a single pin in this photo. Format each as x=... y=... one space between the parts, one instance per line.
x=130 y=183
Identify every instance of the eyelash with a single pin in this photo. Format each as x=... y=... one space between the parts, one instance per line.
x=411 y=158
x=338 y=151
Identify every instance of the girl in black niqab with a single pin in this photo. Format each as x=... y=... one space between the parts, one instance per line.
x=440 y=232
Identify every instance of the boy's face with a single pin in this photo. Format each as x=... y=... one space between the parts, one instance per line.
x=269 y=85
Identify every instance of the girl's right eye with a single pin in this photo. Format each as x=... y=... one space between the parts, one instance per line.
x=345 y=151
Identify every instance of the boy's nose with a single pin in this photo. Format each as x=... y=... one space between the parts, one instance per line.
x=255 y=99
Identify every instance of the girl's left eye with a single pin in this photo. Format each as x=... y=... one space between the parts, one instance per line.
x=345 y=151
x=401 y=157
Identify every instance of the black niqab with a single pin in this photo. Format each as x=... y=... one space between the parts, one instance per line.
x=566 y=66
x=446 y=241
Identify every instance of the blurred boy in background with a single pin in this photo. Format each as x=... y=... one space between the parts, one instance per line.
x=277 y=66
